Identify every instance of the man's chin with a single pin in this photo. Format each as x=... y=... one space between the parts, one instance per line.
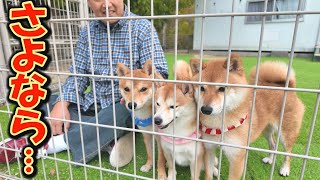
x=111 y=22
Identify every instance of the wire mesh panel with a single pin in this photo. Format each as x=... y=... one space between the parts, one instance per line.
x=203 y=114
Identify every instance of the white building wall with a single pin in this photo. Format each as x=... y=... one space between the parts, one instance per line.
x=277 y=35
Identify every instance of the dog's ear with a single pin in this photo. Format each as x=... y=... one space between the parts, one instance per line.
x=147 y=67
x=187 y=89
x=122 y=69
x=157 y=83
x=235 y=63
x=195 y=65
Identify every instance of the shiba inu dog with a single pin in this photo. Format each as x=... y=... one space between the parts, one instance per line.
x=184 y=123
x=238 y=106
x=142 y=105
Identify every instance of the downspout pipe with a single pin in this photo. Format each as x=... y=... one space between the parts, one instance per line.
x=5 y=53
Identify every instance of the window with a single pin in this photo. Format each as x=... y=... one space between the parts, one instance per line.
x=272 y=6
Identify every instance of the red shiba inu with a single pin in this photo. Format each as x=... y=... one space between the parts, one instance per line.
x=238 y=106
x=142 y=105
x=184 y=123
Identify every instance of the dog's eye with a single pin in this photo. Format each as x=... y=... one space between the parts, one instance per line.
x=158 y=104
x=143 y=89
x=202 y=88
x=126 y=89
x=172 y=107
x=221 y=89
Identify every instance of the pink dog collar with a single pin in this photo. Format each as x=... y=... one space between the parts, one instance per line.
x=217 y=131
x=180 y=140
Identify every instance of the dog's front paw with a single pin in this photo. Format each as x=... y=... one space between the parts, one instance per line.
x=162 y=177
x=145 y=168
x=267 y=160
x=216 y=162
x=171 y=175
x=215 y=171
x=170 y=178
x=284 y=171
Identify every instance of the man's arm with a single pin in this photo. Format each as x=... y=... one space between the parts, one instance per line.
x=146 y=49
x=77 y=84
x=70 y=87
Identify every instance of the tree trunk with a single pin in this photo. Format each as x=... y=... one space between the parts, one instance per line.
x=164 y=36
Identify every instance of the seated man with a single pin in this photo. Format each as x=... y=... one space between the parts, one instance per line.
x=74 y=89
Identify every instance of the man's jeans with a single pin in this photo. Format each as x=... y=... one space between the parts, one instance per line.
x=89 y=132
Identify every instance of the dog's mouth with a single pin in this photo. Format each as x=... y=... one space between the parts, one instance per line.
x=165 y=126
x=136 y=109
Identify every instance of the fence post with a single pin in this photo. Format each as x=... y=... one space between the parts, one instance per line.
x=5 y=52
x=82 y=12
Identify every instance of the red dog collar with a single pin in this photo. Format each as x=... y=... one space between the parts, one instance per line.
x=217 y=131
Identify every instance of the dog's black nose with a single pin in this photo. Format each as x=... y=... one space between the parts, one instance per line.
x=157 y=120
x=206 y=110
x=130 y=105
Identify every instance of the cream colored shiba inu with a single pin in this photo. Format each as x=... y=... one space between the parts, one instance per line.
x=238 y=106
x=184 y=123
x=142 y=105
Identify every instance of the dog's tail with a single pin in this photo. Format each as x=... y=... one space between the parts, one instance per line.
x=183 y=70
x=274 y=74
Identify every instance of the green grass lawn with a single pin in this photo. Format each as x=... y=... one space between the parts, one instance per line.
x=308 y=76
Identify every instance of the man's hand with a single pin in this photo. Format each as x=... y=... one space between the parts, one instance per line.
x=123 y=102
x=57 y=112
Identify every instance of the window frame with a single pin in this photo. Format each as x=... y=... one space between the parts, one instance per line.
x=273 y=20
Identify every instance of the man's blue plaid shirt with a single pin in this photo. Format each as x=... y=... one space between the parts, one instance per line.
x=119 y=37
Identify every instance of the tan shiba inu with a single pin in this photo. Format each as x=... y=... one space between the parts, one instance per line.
x=142 y=105
x=238 y=108
x=183 y=124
